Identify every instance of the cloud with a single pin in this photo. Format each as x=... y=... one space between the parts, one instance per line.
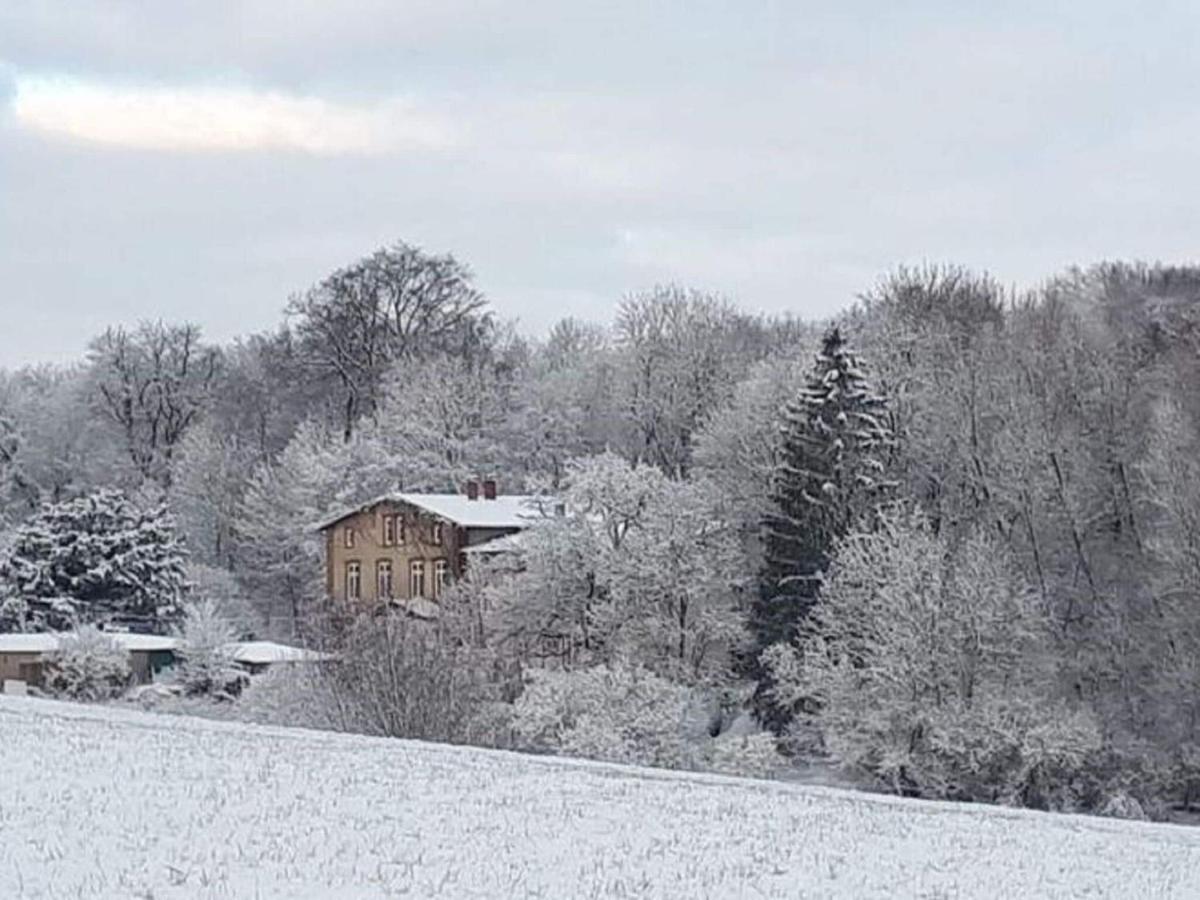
x=220 y=119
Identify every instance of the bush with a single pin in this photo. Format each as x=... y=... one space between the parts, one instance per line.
x=399 y=677
x=206 y=667
x=87 y=666
x=626 y=714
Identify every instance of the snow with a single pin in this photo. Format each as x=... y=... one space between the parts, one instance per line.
x=105 y=802
x=259 y=653
x=47 y=642
x=506 y=511
x=249 y=652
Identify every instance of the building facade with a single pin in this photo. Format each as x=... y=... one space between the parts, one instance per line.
x=405 y=546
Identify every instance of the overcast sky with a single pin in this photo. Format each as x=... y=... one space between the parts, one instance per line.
x=203 y=159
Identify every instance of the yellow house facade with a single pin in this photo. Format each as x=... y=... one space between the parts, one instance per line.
x=408 y=547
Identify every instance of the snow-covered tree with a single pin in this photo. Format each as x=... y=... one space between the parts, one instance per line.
x=680 y=354
x=830 y=475
x=206 y=665
x=442 y=421
x=929 y=668
x=58 y=446
x=88 y=665
x=640 y=568
x=222 y=587
x=279 y=547
x=739 y=447
x=209 y=471
x=96 y=559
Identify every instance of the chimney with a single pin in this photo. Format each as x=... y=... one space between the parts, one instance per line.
x=472 y=490
x=489 y=489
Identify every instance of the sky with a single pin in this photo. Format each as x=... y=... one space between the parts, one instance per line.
x=203 y=160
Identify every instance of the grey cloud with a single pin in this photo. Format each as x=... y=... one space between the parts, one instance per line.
x=785 y=156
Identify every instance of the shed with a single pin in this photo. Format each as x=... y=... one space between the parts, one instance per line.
x=23 y=656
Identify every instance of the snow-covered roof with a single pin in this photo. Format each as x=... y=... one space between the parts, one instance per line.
x=48 y=641
x=261 y=653
x=505 y=543
x=506 y=511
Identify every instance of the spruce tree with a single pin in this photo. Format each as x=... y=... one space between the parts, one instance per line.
x=96 y=559
x=830 y=476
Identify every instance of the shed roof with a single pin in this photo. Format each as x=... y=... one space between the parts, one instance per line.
x=48 y=641
x=261 y=653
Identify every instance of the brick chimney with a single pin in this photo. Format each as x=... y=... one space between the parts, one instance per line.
x=489 y=489
x=472 y=489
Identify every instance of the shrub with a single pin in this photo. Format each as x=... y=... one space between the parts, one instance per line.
x=399 y=677
x=87 y=666
x=206 y=666
x=626 y=714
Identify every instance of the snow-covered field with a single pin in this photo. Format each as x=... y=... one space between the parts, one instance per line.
x=98 y=802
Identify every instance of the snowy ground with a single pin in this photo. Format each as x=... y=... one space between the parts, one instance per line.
x=98 y=802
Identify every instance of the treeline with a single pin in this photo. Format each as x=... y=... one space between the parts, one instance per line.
x=950 y=541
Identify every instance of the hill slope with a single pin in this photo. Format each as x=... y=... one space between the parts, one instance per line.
x=111 y=803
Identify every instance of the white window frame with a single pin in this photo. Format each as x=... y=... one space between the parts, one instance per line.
x=439 y=533
x=389 y=530
x=440 y=569
x=348 y=537
x=416 y=578
x=384 y=591
x=353 y=579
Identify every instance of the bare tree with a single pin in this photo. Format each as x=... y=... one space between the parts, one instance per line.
x=682 y=355
x=396 y=303
x=153 y=383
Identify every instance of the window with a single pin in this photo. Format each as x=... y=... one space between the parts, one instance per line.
x=416 y=578
x=437 y=534
x=389 y=531
x=348 y=536
x=399 y=529
x=383 y=579
x=439 y=577
x=353 y=580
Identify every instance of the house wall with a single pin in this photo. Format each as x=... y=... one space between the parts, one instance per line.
x=11 y=663
x=418 y=543
x=11 y=666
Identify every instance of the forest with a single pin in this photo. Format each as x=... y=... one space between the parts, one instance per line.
x=946 y=544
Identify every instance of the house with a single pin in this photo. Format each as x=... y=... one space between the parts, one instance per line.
x=406 y=547
x=23 y=656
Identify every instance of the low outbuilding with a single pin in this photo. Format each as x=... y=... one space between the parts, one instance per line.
x=23 y=657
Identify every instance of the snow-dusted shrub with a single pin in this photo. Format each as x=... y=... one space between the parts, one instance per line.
x=626 y=714
x=755 y=755
x=399 y=677
x=1122 y=806
x=282 y=695
x=929 y=669
x=88 y=666
x=206 y=666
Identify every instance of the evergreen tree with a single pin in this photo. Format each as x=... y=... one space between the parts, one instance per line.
x=95 y=559
x=830 y=475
